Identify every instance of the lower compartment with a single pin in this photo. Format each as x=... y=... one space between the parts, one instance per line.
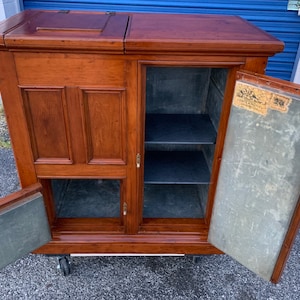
x=89 y=218
x=101 y=199
x=86 y=198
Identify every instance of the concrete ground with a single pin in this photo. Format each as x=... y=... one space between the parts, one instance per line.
x=213 y=277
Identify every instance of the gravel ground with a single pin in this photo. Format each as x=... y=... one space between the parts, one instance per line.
x=8 y=174
x=4 y=136
x=177 y=278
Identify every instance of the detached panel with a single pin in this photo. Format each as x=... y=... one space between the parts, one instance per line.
x=105 y=126
x=48 y=124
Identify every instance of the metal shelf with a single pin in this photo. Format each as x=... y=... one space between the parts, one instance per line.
x=179 y=129
x=176 y=167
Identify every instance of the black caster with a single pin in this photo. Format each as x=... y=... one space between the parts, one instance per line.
x=64 y=265
x=197 y=259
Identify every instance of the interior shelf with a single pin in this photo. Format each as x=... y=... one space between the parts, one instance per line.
x=176 y=167
x=179 y=129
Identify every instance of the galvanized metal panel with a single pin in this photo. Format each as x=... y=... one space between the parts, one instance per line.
x=258 y=186
x=293 y=4
x=24 y=227
x=269 y=15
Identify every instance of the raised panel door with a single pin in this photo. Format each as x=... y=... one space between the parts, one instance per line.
x=48 y=124
x=104 y=119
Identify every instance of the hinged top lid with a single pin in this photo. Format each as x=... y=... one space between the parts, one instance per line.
x=11 y=23
x=144 y=33
x=70 y=30
x=198 y=34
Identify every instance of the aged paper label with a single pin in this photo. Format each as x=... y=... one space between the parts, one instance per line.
x=259 y=100
x=280 y=102
x=250 y=98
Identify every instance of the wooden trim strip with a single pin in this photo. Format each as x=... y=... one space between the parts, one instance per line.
x=287 y=244
x=20 y=195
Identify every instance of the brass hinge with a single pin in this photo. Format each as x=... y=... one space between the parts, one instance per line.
x=124 y=209
x=138 y=160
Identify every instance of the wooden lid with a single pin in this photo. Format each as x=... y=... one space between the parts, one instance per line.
x=144 y=33
x=197 y=34
x=8 y=25
x=70 y=30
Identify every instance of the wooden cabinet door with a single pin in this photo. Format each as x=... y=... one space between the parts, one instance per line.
x=24 y=224
x=256 y=211
x=76 y=125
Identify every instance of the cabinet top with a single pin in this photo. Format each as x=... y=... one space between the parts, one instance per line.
x=136 y=33
x=198 y=33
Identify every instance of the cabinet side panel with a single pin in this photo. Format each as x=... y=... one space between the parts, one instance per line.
x=214 y=104
x=258 y=186
x=215 y=99
x=105 y=129
x=12 y=101
x=48 y=124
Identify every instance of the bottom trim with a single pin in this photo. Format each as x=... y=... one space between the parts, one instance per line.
x=121 y=244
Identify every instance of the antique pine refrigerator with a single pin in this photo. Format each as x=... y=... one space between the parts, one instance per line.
x=148 y=134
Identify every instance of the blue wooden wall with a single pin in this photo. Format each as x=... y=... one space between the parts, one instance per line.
x=270 y=15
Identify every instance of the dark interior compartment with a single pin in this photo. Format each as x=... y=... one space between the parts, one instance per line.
x=86 y=198
x=183 y=108
x=172 y=201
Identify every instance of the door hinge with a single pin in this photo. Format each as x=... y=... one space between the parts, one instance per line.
x=138 y=160
x=124 y=209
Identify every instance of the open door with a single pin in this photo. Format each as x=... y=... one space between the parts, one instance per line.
x=23 y=224
x=256 y=212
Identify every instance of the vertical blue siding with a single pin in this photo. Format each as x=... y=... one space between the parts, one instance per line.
x=270 y=15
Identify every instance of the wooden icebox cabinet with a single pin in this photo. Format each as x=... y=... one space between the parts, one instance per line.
x=148 y=134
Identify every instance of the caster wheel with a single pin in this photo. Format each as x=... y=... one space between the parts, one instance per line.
x=196 y=259
x=64 y=265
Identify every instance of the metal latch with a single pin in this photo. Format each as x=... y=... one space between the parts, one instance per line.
x=124 y=209
x=138 y=160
